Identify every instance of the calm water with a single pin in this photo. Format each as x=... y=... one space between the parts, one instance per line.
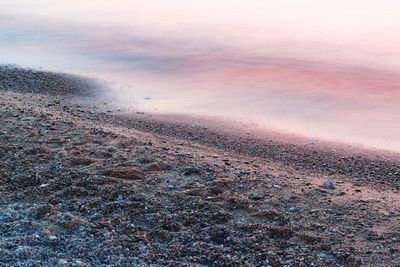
x=327 y=69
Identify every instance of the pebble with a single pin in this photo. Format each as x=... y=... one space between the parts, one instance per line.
x=191 y=170
x=52 y=237
x=294 y=209
x=62 y=262
x=328 y=184
x=277 y=186
x=256 y=196
x=238 y=173
x=324 y=246
x=321 y=255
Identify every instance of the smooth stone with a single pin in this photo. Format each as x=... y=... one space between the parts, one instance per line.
x=328 y=184
x=294 y=209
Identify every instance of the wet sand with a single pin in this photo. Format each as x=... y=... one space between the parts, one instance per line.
x=82 y=185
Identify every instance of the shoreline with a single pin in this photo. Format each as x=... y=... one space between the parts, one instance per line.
x=82 y=186
x=383 y=164
x=250 y=129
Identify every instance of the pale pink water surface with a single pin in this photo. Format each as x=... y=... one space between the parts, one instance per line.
x=327 y=69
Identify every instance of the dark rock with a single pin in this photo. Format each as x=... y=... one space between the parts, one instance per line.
x=256 y=196
x=153 y=167
x=325 y=247
x=218 y=236
x=192 y=171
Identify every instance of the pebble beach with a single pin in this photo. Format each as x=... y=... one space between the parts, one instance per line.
x=83 y=186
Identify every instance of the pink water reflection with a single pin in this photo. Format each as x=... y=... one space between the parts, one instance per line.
x=316 y=68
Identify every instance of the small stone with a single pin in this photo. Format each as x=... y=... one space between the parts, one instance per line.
x=218 y=236
x=325 y=247
x=322 y=190
x=120 y=198
x=238 y=173
x=328 y=184
x=191 y=171
x=62 y=262
x=153 y=167
x=170 y=187
x=321 y=255
x=277 y=186
x=294 y=209
x=256 y=196
x=145 y=160
x=79 y=263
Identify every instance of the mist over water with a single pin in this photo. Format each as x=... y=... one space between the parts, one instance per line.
x=328 y=69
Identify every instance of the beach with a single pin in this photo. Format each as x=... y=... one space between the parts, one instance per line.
x=82 y=185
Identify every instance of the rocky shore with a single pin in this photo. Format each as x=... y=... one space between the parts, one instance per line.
x=80 y=186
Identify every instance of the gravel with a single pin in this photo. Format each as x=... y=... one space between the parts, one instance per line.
x=82 y=187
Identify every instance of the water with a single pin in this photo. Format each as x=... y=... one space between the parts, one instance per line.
x=326 y=69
